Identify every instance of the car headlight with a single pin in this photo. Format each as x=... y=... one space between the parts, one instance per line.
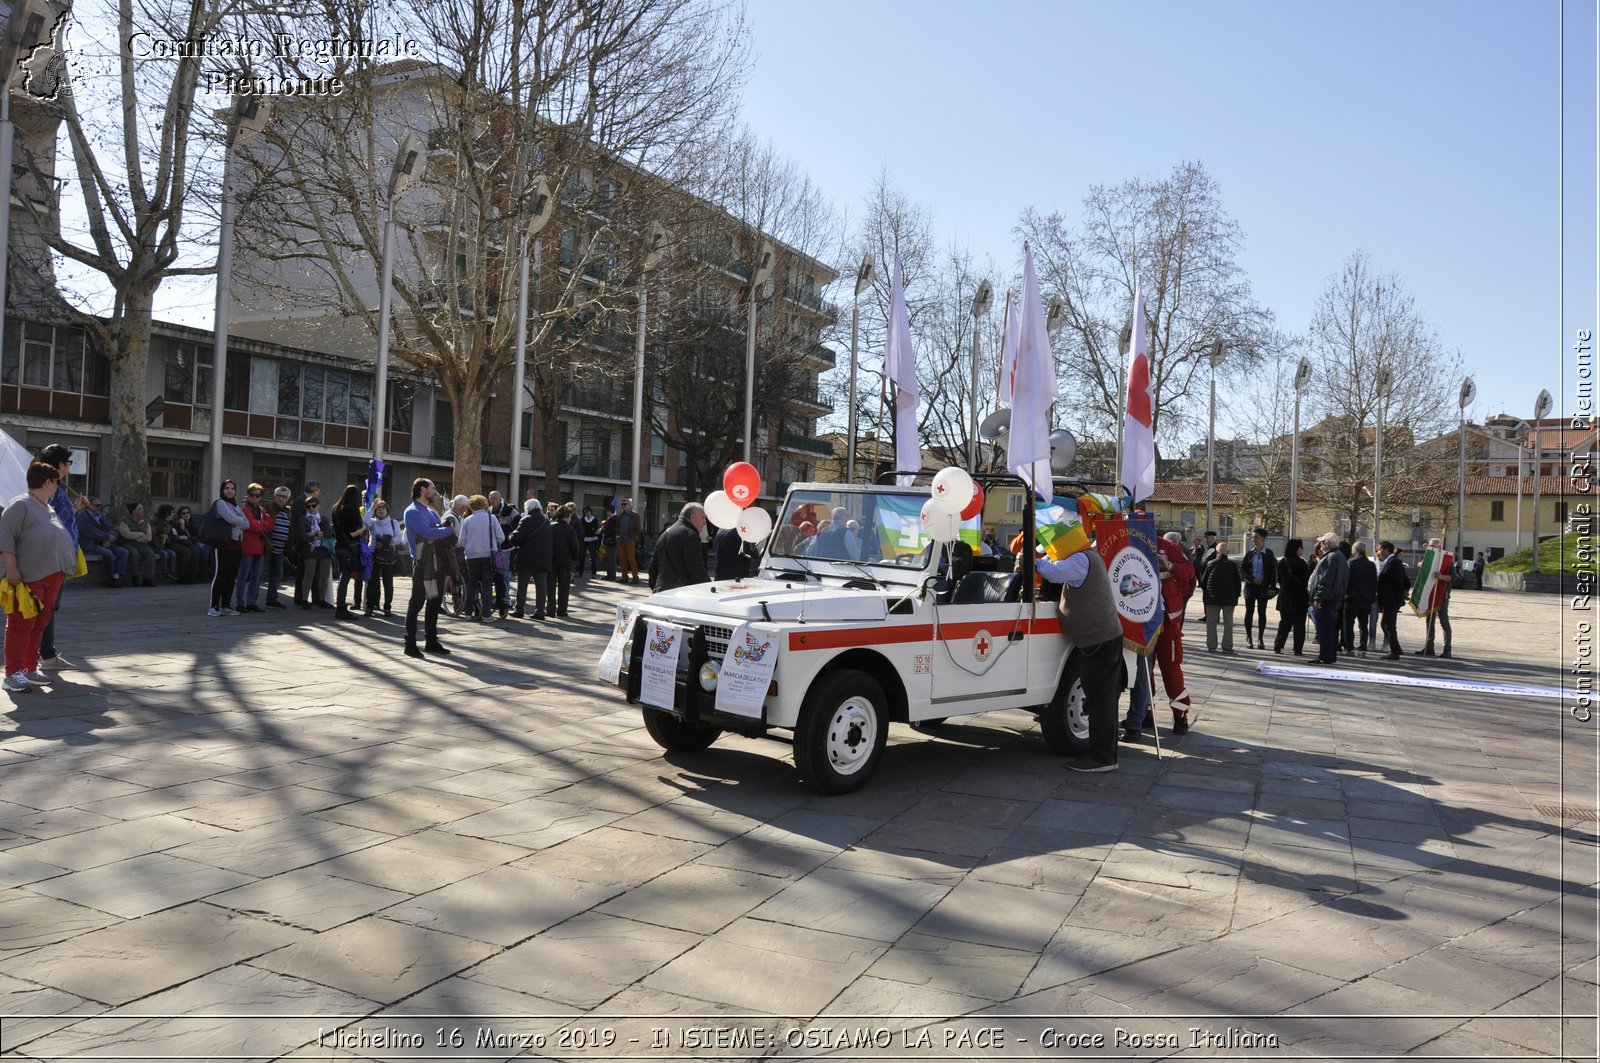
x=708 y=676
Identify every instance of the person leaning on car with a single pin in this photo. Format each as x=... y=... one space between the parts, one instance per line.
x=678 y=560
x=1089 y=622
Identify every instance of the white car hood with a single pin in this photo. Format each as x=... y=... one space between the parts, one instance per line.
x=787 y=601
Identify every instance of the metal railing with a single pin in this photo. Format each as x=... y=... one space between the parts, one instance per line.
x=805 y=443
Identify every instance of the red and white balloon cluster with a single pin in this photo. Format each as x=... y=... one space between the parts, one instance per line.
x=955 y=498
x=731 y=508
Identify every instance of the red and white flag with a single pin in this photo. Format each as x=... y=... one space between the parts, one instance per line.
x=900 y=365
x=1138 y=423
x=1031 y=369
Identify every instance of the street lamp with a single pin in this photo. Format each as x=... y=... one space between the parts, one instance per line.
x=1541 y=408
x=760 y=270
x=1218 y=352
x=1385 y=380
x=864 y=277
x=31 y=36
x=1469 y=391
x=1302 y=377
x=1520 y=434
x=655 y=245
x=539 y=213
x=980 y=307
x=409 y=162
x=247 y=119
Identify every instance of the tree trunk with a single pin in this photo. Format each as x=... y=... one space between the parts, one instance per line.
x=467 y=443
x=128 y=458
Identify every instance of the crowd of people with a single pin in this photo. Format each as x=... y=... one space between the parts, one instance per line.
x=261 y=551
x=1352 y=600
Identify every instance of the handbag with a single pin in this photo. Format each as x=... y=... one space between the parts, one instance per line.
x=212 y=530
x=80 y=567
x=499 y=561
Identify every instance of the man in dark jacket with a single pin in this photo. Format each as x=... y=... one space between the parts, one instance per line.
x=679 y=561
x=730 y=555
x=1260 y=572
x=1220 y=593
x=1394 y=585
x=1359 y=595
x=1329 y=581
x=531 y=558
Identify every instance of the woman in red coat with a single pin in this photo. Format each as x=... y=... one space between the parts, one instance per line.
x=252 y=549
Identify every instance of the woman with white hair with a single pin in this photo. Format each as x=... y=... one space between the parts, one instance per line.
x=532 y=543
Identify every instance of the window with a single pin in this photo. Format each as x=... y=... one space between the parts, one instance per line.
x=1225 y=526
x=658 y=452
x=274 y=476
x=264 y=376
x=1497 y=510
x=1561 y=511
x=188 y=374
x=44 y=356
x=236 y=384
x=173 y=478
x=401 y=396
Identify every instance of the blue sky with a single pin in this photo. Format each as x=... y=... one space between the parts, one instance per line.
x=1426 y=133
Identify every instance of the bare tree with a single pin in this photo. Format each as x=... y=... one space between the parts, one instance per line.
x=612 y=101
x=749 y=195
x=1261 y=405
x=143 y=154
x=1364 y=321
x=1174 y=234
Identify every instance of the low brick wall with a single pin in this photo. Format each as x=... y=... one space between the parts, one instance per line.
x=1530 y=583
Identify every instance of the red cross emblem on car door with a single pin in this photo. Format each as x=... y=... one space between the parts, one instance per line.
x=981 y=644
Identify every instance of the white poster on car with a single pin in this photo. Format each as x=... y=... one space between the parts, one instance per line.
x=747 y=669
x=611 y=660
x=658 y=674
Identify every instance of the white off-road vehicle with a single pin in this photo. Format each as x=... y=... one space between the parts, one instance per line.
x=867 y=623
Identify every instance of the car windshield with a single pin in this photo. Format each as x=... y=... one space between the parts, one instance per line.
x=859 y=526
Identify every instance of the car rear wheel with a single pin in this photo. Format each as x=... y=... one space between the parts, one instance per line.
x=678 y=736
x=841 y=732
x=1064 y=722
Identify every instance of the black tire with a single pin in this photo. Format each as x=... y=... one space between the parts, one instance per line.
x=841 y=732
x=678 y=736
x=1065 y=726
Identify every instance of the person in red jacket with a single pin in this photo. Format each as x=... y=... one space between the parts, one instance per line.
x=1177 y=585
x=252 y=550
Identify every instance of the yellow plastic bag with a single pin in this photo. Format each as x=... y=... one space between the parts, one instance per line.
x=19 y=598
x=79 y=567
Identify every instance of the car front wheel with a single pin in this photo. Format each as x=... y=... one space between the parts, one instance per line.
x=1064 y=722
x=841 y=732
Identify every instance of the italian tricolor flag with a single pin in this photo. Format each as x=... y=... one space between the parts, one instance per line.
x=1429 y=591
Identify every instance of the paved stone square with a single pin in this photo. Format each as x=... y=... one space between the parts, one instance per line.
x=273 y=836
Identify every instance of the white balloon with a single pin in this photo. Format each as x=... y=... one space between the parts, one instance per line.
x=952 y=489
x=939 y=523
x=722 y=510
x=755 y=524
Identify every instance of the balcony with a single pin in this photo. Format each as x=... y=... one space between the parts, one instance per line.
x=601 y=468
x=805 y=444
x=813 y=402
x=608 y=403
x=811 y=300
x=822 y=354
x=445 y=450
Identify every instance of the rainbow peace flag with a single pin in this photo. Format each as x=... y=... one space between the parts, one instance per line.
x=1058 y=528
x=1429 y=591
x=1092 y=506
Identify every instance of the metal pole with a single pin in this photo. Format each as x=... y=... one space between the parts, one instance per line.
x=972 y=438
x=380 y=389
x=219 y=327
x=1522 y=449
x=1377 y=476
x=855 y=337
x=1294 y=466
x=7 y=134
x=1538 y=475
x=1211 y=464
x=519 y=375
x=1122 y=408
x=638 y=388
x=1461 y=498
x=750 y=373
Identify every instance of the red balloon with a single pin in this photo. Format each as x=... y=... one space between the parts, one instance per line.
x=975 y=506
x=742 y=483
